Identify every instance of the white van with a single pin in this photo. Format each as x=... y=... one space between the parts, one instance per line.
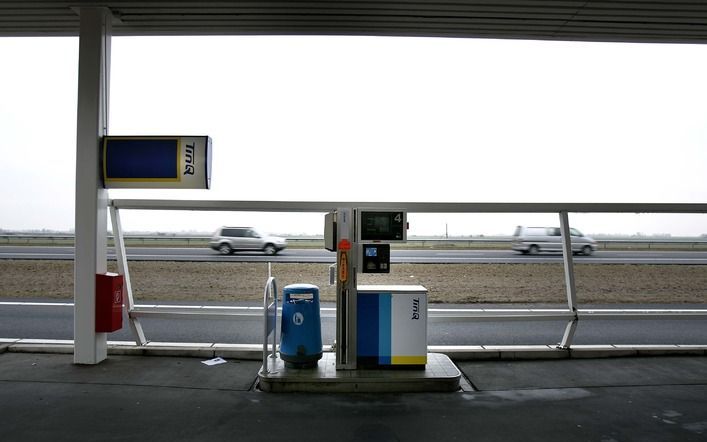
x=533 y=240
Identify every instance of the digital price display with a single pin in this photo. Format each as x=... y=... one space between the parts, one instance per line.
x=380 y=225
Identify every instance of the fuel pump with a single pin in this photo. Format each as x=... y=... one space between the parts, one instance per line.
x=376 y=325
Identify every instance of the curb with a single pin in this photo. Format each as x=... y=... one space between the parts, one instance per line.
x=530 y=352
x=456 y=353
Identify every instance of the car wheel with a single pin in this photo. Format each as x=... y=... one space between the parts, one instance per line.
x=533 y=250
x=269 y=249
x=225 y=249
x=586 y=251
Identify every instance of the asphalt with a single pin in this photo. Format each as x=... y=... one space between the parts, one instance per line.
x=431 y=256
x=126 y=397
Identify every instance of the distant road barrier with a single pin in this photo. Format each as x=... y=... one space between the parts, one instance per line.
x=500 y=241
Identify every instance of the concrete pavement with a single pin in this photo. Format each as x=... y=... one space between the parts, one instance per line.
x=46 y=397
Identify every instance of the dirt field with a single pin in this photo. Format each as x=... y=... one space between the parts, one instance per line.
x=447 y=283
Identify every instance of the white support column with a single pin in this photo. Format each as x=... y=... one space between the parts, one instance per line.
x=91 y=199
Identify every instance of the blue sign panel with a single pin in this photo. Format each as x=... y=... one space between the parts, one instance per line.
x=142 y=159
x=166 y=162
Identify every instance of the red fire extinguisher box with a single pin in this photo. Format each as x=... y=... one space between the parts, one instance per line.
x=109 y=302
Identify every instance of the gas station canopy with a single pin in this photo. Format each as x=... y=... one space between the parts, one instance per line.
x=658 y=21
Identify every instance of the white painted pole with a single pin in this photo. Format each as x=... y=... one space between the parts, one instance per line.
x=121 y=258
x=91 y=199
x=568 y=261
x=571 y=327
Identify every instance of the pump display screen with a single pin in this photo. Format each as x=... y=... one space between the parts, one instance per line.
x=371 y=251
x=382 y=226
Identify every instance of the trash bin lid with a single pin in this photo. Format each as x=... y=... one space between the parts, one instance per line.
x=301 y=288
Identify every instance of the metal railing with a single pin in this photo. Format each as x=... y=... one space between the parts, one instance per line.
x=572 y=314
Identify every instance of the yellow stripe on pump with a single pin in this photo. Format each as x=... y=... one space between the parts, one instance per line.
x=408 y=360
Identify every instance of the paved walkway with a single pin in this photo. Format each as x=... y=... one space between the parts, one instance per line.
x=46 y=397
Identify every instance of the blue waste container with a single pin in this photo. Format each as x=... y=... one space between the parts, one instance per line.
x=301 y=327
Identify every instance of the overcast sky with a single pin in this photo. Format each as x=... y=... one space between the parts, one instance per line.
x=373 y=119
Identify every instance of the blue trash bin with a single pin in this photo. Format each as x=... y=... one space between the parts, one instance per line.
x=301 y=327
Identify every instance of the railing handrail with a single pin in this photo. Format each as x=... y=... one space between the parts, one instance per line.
x=412 y=207
x=435 y=313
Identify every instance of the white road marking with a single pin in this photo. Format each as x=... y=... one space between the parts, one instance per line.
x=38 y=304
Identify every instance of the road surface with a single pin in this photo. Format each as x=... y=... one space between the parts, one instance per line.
x=397 y=256
x=55 y=321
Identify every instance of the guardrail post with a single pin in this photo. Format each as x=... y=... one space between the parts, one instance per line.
x=568 y=336
x=122 y=261
x=569 y=280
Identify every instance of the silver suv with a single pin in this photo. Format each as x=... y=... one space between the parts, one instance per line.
x=533 y=240
x=231 y=239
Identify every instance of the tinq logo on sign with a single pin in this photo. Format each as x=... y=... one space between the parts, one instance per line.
x=165 y=162
x=416 y=308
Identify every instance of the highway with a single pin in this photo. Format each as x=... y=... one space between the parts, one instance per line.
x=56 y=322
x=421 y=256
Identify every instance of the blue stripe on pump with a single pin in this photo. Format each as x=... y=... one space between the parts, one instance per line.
x=384 y=328
x=367 y=325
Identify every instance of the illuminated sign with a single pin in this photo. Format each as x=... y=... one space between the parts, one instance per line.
x=165 y=162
